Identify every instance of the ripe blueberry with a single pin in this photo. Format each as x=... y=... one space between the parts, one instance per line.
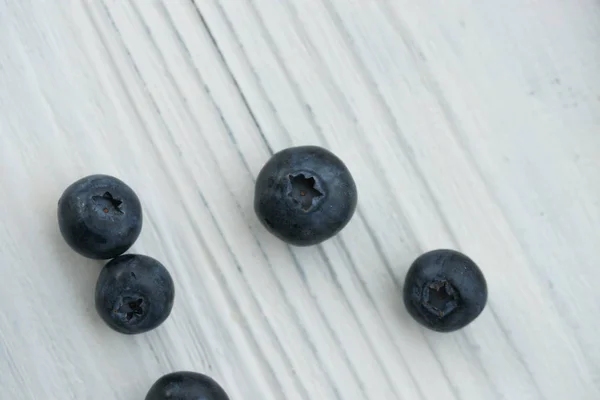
x=186 y=386
x=444 y=290
x=305 y=195
x=99 y=216
x=134 y=294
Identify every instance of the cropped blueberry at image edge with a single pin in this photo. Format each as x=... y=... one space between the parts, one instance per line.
x=305 y=195
x=444 y=290
x=185 y=385
x=134 y=294
x=99 y=216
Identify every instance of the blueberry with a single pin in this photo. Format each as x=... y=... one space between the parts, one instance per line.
x=305 y=195
x=444 y=290
x=134 y=294
x=186 y=386
x=99 y=216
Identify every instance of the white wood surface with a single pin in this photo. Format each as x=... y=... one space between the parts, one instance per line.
x=471 y=124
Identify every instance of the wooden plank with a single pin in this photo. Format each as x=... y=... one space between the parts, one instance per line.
x=470 y=125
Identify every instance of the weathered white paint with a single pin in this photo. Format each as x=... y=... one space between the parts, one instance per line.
x=467 y=124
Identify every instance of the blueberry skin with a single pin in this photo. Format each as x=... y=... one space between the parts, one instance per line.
x=99 y=216
x=444 y=290
x=134 y=294
x=186 y=386
x=305 y=195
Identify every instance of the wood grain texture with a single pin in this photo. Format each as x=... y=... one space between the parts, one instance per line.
x=466 y=124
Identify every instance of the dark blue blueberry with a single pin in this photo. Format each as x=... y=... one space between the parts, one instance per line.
x=99 y=216
x=186 y=386
x=444 y=290
x=305 y=195
x=134 y=294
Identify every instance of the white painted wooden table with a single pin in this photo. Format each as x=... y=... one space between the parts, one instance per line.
x=467 y=124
